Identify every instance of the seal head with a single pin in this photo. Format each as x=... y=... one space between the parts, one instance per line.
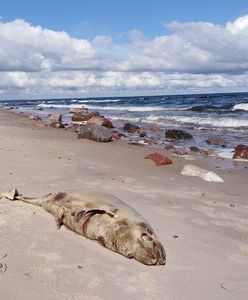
x=138 y=241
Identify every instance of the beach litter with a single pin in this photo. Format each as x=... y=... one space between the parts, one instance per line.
x=191 y=170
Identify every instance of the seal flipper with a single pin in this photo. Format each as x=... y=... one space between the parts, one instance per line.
x=13 y=195
x=59 y=217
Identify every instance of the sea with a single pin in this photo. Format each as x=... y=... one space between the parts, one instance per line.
x=202 y=115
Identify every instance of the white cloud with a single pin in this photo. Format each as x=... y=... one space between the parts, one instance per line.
x=195 y=56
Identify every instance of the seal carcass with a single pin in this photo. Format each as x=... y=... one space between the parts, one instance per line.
x=104 y=218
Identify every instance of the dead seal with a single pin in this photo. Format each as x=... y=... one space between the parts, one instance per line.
x=105 y=218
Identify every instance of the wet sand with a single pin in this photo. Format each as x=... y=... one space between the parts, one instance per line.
x=203 y=226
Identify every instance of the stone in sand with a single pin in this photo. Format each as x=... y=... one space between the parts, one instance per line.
x=240 y=152
x=191 y=170
x=95 y=133
x=106 y=219
x=57 y=125
x=55 y=118
x=35 y=118
x=174 y=134
x=159 y=159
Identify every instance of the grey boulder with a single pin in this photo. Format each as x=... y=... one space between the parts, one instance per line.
x=95 y=133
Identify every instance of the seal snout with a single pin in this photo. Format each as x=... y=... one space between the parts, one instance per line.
x=159 y=253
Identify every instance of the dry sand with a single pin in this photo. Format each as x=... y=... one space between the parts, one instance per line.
x=203 y=226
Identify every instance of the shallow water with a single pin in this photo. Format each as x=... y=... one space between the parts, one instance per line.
x=223 y=115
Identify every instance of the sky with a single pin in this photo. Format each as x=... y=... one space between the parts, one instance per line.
x=62 y=48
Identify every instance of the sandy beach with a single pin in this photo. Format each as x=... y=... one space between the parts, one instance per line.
x=202 y=225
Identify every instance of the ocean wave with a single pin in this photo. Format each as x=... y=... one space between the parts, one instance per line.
x=240 y=106
x=220 y=122
x=114 y=107
x=100 y=101
x=202 y=108
x=47 y=105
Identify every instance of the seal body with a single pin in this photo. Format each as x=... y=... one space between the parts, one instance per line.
x=107 y=219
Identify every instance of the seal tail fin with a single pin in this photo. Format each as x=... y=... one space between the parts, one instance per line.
x=14 y=195
x=30 y=200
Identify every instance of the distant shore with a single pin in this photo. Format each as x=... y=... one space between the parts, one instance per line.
x=202 y=225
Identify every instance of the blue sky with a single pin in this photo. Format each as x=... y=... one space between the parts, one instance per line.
x=75 y=48
x=87 y=19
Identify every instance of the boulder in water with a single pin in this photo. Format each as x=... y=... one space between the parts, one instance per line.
x=154 y=128
x=215 y=140
x=78 y=110
x=194 y=149
x=174 y=134
x=131 y=128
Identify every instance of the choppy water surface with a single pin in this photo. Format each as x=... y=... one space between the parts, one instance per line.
x=225 y=115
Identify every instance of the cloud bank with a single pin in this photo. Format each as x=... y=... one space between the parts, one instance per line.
x=194 y=57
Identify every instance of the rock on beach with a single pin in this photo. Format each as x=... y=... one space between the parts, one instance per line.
x=159 y=159
x=101 y=121
x=240 y=152
x=95 y=133
x=191 y=170
x=55 y=118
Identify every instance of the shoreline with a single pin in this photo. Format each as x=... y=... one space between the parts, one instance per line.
x=202 y=225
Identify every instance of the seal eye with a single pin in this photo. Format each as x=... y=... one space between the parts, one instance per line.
x=145 y=237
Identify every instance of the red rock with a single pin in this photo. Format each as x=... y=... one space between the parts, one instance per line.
x=155 y=128
x=240 y=152
x=115 y=137
x=159 y=159
x=101 y=121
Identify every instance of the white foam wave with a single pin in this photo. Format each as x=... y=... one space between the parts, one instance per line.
x=220 y=122
x=126 y=118
x=100 y=101
x=116 y=108
x=112 y=108
x=45 y=105
x=243 y=106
